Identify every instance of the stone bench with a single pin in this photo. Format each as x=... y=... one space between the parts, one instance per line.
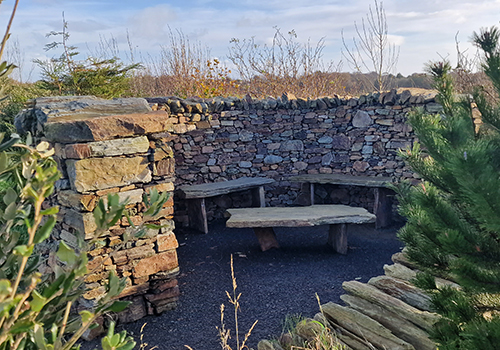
x=262 y=220
x=195 y=196
x=383 y=194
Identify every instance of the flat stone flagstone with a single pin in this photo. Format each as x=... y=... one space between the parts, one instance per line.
x=262 y=220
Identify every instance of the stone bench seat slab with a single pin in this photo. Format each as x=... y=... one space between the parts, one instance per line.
x=195 y=196
x=343 y=179
x=314 y=215
x=224 y=187
x=262 y=220
x=381 y=189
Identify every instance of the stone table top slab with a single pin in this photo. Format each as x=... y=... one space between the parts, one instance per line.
x=343 y=179
x=223 y=187
x=298 y=216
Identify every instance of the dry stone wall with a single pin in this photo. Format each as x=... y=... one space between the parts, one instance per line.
x=113 y=147
x=278 y=138
x=129 y=146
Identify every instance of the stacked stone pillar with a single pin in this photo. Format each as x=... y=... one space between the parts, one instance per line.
x=114 y=147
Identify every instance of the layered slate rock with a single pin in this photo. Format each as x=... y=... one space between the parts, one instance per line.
x=423 y=319
x=402 y=290
x=74 y=129
x=108 y=148
x=364 y=327
x=401 y=327
x=375 y=320
x=341 y=179
x=224 y=187
x=60 y=108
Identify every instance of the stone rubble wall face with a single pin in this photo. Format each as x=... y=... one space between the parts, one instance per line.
x=128 y=167
x=288 y=136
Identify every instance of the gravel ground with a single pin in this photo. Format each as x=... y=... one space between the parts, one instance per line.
x=272 y=284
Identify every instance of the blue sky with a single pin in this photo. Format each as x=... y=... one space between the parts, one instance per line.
x=425 y=29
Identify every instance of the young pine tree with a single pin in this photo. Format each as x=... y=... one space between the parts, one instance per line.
x=453 y=217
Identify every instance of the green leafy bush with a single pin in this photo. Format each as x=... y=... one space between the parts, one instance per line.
x=35 y=309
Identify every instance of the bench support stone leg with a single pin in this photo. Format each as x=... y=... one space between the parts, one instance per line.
x=197 y=214
x=383 y=207
x=266 y=237
x=311 y=191
x=307 y=191
x=337 y=238
x=258 y=197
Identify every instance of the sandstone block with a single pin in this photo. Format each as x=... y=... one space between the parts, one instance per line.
x=101 y=173
x=72 y=199
x=166 y=242
x=161 y=187
x=132 y=197
x=164 y=167
x=95 y=293
x=140 y=252
x=160 y=262
x=134 y=290
x=82 y=222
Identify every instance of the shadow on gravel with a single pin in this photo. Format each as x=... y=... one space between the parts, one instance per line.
x=273 y=284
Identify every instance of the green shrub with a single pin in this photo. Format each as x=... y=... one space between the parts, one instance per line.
x=453 y=226
x=101 y=77
x=15 y=97
x=35 y=309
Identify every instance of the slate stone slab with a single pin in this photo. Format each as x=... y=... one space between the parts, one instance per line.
x=298 y=216
x=343 y=179
x=224 y=187
x=73 y=129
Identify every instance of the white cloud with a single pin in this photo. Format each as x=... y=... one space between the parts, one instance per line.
x=151 y=21
x=421 y=28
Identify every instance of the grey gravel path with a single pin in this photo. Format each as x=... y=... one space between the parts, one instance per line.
x=273 y=284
